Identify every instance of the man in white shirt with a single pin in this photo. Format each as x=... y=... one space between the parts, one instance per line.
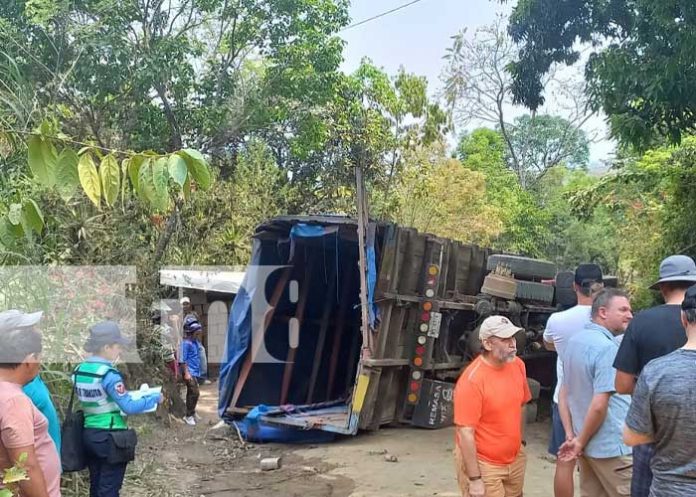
x=560 y=327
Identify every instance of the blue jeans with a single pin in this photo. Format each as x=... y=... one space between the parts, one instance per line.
x=557 y=431
x=105 y=479
x=642 y=474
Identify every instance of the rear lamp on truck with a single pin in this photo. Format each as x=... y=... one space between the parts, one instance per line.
x=423 y=329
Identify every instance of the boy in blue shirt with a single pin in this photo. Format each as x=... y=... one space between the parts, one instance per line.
x=190 y=363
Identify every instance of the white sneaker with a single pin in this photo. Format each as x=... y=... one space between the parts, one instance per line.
x=189 y=420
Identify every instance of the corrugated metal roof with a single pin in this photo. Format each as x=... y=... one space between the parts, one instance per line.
x=207 y=280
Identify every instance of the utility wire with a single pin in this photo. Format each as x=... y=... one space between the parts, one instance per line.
x=365 y=21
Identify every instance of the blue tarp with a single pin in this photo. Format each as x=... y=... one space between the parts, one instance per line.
x=253 y=429
x=303 y=230
x=371 y=275
x=238 y=333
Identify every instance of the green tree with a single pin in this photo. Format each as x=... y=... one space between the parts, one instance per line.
x=539 y=222
x=525 y=226
x=576 y=239
x=637 y=71
x=162 y=75
x=544 y=142
x=435 y=194
x=154 y=77
x=478 y=90
x=650 y=199
x=219 y=226
x=372 y=121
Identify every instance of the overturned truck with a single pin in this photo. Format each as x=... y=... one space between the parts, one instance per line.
x=315 y=361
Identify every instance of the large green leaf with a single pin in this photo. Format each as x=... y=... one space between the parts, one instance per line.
x=8 y=237
x=124 y=181
x=110 y=179
x=186 y=190
x=178 y=169
x=42 y=160
x=33 y=216
x=146 y=186
x=160 y=179
x=134 y=164
x=197 y=167
x=89 y=178
x=15 y=214
x=27 y=230
x=67 y=177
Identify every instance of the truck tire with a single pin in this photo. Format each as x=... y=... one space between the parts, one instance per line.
x=523 y=267
x=499 y=286
x=565 y=291
x=530 y=291
x=534 y=388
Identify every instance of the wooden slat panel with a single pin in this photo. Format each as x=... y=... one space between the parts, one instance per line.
x=386 y=265
x=412 y=266
x=463 y=268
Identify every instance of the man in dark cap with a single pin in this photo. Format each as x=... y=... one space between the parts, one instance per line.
x=663 y=413
x=653 y=333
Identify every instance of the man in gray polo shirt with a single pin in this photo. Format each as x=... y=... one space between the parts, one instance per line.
x=597 y=411
x=663 y=412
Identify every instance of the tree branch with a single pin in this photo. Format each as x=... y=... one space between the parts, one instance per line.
x=171 y=117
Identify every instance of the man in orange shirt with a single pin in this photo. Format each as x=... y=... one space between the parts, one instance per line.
x=488 y=401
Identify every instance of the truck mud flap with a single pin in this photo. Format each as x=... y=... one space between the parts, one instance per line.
x=435 y=408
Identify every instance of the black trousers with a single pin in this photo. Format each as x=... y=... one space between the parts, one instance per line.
x=192 y=394
x=105 y=479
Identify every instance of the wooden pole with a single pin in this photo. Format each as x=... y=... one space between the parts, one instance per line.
x=362 y=263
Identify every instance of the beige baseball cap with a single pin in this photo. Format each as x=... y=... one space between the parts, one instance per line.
x=497 y=326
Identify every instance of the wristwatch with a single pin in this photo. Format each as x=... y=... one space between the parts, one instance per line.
x=474 y=478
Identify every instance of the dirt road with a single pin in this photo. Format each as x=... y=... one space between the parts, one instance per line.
x=184 y=461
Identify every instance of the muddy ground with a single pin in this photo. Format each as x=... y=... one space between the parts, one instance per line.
x=183 y=461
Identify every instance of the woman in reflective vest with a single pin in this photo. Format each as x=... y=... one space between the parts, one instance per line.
x=109 y=444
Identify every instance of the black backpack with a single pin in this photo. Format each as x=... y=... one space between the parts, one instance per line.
x=72 y=451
